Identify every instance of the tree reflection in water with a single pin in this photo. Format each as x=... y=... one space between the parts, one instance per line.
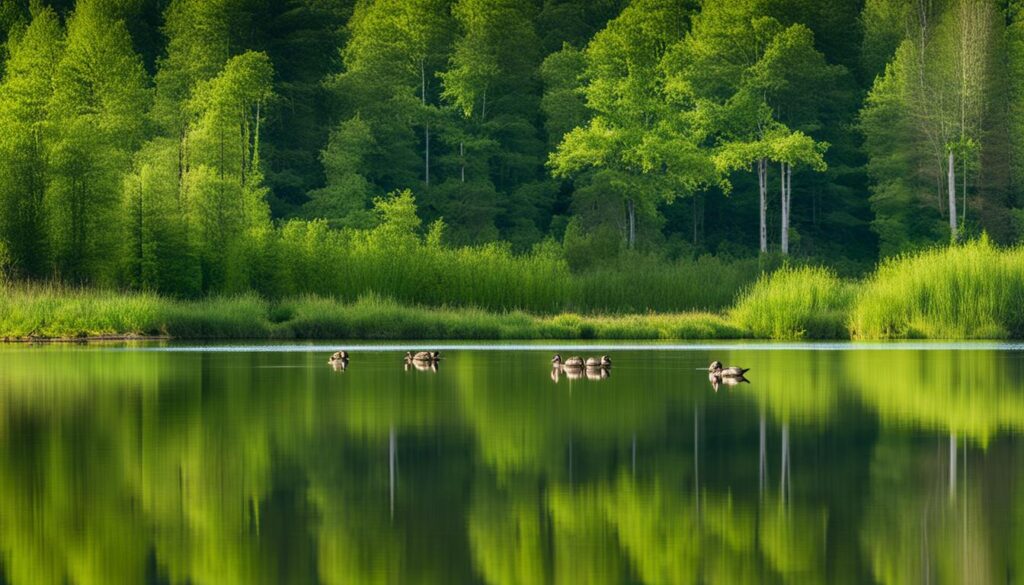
x=220 y=468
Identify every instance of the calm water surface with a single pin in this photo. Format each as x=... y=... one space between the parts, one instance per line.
x=220 y=466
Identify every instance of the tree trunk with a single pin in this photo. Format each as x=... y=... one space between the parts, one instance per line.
x=426 y=126
x=462 y=160
x=953 y=231
x=762 y=186
x=784 y=181
x=697 y=218
x=631 y=212
x=963 y=181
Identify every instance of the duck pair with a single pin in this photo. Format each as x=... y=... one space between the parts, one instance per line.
x=575 y=362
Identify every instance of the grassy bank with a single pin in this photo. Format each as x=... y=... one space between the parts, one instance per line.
x=973 y=291
x=37 y=312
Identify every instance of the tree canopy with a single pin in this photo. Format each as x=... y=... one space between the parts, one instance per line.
x=165 y=145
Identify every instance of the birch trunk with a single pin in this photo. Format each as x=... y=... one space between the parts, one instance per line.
x=762 y=186
x=951 y=182
x=784 y=195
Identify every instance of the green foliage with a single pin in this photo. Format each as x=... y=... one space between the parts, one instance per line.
x=345 y=198
x=796 y=303
x=24 y=94
x=973 y=291
x=902 y=220
x=176 y=163
x=225 y=196
x=94 y=118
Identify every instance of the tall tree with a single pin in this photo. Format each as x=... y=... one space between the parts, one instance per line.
x=754 y=100
x=225 y=194
x=942 y=95
x=303 y=39
x=158 y=255
x=95 y=120
x=491 y=82
x=635 y=132
x=395 y=50
x=24 y=94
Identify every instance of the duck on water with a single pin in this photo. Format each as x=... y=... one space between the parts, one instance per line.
x=576 y=362
x=716 y=369
x=422 y=356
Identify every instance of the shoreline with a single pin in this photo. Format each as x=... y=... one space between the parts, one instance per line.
x=85 y=339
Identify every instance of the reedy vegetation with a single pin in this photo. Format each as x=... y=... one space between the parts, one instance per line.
x=972 y=291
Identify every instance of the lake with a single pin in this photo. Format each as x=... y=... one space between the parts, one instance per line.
x=226 y=465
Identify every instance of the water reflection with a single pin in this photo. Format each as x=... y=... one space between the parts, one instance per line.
x=220 y=468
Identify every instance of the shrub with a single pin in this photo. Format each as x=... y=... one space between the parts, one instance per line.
x=974 y=290
x=796 y=303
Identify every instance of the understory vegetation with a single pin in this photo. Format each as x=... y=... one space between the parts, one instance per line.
x=971 y=291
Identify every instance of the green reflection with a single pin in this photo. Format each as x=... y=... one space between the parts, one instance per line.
x=221 y=468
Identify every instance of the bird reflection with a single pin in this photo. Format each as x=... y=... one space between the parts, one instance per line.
x=579 y=373
x=570 y=373
x=339 y=365
x=717 y=381
x=421 y=366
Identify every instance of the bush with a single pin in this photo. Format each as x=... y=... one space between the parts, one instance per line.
x=796 y=303
x=970 y=291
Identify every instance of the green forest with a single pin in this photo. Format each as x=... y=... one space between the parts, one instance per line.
x=545 y=155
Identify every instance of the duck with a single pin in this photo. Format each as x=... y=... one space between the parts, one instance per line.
x=338 y=356
x=422 y=356
x=573 y=362
x=718 y=370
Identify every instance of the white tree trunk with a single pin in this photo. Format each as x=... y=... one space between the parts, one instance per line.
x=784 y=181
x=762 y=187
x=951 y=167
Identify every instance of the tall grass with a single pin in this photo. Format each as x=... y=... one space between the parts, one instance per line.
x=970 y=291
x=639 y=284
x=796 y=303
x=50 y=311
x=30 y=312
x=350 y=264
